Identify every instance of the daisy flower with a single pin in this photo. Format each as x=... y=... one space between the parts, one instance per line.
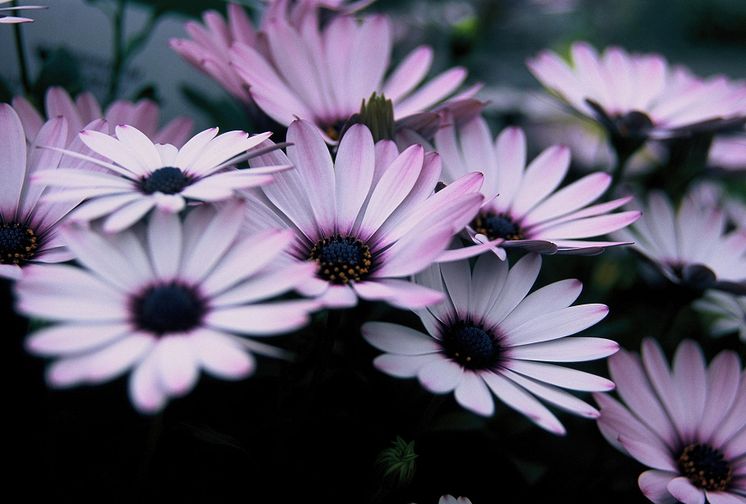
x=686 y=423
x=165 y=303
x=690 y=247
x=366 y=219
x=85 y=109
x=522 y=204
x=490 y=336
x=5 y=19
x=322 y=75
x=141 y=175
x=727 y=313
x=207 y=49
x=28 y=223
x=638 y=96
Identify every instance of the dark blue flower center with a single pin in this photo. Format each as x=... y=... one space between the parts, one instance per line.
x=633 y=124
x=705 y=467
x=494 y=226
x=168 y=308
x=167 y=180
x=471 y=346
x=18 y=243
x=342 y=259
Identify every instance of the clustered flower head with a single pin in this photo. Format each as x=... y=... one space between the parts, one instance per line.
x=685 y=423
x=157 y=254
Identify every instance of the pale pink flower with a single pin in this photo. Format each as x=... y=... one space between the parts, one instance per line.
x=728 y=153
x=143 y=114
x=638 y=96
x=28 y=223
x=686 y=423
x=165 y=301
x=211 y=40
x=691 y=246
x=141 y=175
x=322 y=74
x=490 y=337
x=369 y=219
x=522 y=203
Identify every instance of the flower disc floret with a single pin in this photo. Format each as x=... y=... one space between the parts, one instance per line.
x=168 y=308
x=18 y=243
x=342 y=259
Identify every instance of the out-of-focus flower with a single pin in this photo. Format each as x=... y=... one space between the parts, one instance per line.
x=690 y=247
x=165 y=303
x=636 y=97
x=322 y=75
x=450 y=499
x=141 y=175
x=728 y=313
x=5 y=19
x=208 y=48
x=728 y=153
x=522 y=205
x=29 y=224
x=686 y=424
x=490 y=337
x=143 y=115
x=713 y=196
x=366 y=219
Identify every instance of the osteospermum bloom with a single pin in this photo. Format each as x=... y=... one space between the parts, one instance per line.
x=366 y=219
x=6 y=19
x=522 y=204
x=686 y=423
x=28 y=223
x=490 y=336
x=637 y=96
x=692 y=246
x=165 y=303
x=727 y=313
x=141 y=175
x=322 y=75
x=143 y=114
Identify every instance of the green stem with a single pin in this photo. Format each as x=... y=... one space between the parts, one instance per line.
x=619 y=169
x=118 y=51
x=21 y=53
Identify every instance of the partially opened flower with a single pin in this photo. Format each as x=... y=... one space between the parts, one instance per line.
x=692 y=246
x=5 y=18
x=726 y=312
x=322 y=75
x=686 y=423
x=490 y=337
x=164 y=303
x=28 y=223
x=450 y=499
x=638 y=96
x=522 y=204
x=143 y=114
x=367 y=219
x=141 y=175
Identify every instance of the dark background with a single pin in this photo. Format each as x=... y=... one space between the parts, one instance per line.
x=311 y=430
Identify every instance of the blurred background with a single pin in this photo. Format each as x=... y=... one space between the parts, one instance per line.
x=71 y=44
